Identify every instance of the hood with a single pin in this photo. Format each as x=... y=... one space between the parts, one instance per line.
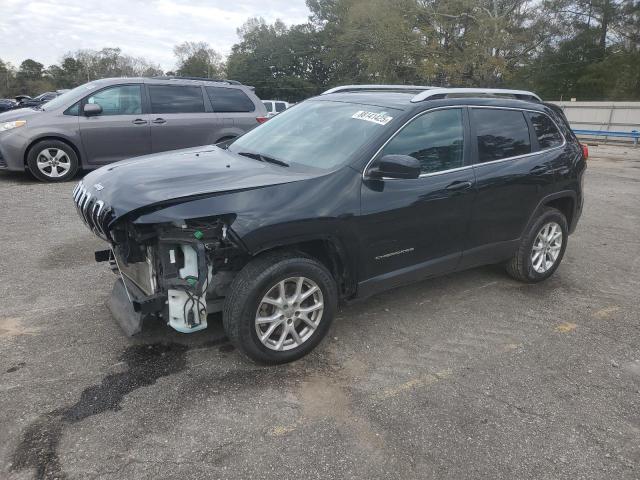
x=18 y=114
x=182 y=174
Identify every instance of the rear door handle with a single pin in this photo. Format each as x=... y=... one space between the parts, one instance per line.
x=139 y=121
x=539 y=170
x=459 y=185
x=159 y=121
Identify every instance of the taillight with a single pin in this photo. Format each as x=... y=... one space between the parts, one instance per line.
x=261 y=119
x=585 y=151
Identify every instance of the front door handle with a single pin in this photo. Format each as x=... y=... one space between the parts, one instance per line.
x=159 y=121
x=139 y=121
x=459 y=185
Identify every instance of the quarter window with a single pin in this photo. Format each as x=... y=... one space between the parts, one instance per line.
x=176 y=99
x=120 y=100
x=501 y=133
x=546 y=131
x=229 y=100
x=436 y=139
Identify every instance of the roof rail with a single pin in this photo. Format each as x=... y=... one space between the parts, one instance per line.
x=436 y=93
x=201 y=79
x=355 y=88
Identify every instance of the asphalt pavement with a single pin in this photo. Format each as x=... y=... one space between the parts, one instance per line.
x=468 y=376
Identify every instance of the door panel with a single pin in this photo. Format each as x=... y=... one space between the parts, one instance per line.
x=121 y=131
x=511 y=178
x=412 y=228
x=183 y=130
x=410 y=222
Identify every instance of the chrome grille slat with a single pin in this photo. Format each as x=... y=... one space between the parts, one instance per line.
x=94 y=213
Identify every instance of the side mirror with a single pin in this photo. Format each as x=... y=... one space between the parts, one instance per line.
x=396 y=166
x=91 y=109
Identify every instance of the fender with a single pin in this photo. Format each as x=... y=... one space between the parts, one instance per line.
x=345 y=268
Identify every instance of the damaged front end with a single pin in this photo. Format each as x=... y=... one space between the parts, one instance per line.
x=177 y=272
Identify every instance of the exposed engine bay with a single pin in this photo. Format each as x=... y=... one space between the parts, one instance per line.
x=178 y=273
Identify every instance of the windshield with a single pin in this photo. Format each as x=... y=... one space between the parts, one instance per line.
x=319 y=134
x=63 y=100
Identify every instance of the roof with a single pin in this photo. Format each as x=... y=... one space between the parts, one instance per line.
x=403 y=96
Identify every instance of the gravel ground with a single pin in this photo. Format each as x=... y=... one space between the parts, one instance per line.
x=472 y=375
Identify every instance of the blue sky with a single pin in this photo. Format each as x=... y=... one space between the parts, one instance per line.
x=46 y=29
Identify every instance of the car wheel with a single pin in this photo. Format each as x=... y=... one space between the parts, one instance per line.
x=52 y=161
x=541 y=248
x=280 y=307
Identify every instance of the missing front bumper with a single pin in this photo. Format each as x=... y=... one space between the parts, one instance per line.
x=130 y=307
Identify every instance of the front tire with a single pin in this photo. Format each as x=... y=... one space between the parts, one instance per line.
x=52 y=161
x=280 y=306
x=541 y=248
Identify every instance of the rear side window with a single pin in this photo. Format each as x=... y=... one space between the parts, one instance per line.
x=435 y=139
x=119 y=100
x=229 y=100
x=546 y=131
x=267 y=105
x=176 y=99
x=500 y=133
x=280 y=107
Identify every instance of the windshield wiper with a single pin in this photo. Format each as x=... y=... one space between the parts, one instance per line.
x=263 y=158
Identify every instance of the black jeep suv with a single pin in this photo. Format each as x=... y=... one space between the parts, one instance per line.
x=358 y=190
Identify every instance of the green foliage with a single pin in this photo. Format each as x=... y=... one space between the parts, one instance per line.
x=197 y=59
x=588 y=49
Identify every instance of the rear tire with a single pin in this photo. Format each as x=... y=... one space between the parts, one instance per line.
x=541 y=248
x=272 y=327
x=52 y=161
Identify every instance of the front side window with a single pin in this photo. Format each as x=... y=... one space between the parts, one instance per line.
x=500 y=133
x=280 y=107
x=435 y=139
x=546 y=131
x=176 y=99
x=120 y=100
x=317 y=133
x=229 y=100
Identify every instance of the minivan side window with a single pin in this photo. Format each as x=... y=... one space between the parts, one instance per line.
x=546 y=131
x=176 y=99
x=229 y=100
x=268 y=106
x=436 y=139
x=119 y=100
x=280 y=107
x=501 y=133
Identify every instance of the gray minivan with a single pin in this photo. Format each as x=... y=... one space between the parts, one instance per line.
x=117 y=118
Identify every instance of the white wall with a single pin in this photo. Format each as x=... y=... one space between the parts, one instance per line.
x=608 y=116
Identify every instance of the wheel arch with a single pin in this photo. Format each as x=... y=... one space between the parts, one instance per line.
x=565 y=201
x=56 y=138
x=327 y=250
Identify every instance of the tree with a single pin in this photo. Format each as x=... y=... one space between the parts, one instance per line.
x=281 y=62
x=30 y=70
x=198 y=59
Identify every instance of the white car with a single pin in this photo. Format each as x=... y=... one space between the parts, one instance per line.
x=275 y=107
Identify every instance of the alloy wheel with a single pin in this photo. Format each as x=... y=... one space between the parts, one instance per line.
x=546 y=247
x=289 y=313
x=53 y=162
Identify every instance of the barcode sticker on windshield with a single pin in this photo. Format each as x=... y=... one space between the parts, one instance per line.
x=379 y=118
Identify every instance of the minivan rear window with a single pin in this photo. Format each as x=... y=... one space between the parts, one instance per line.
x=500 y=133
x=229 y=100
x=546 y=131
x=176 y=99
